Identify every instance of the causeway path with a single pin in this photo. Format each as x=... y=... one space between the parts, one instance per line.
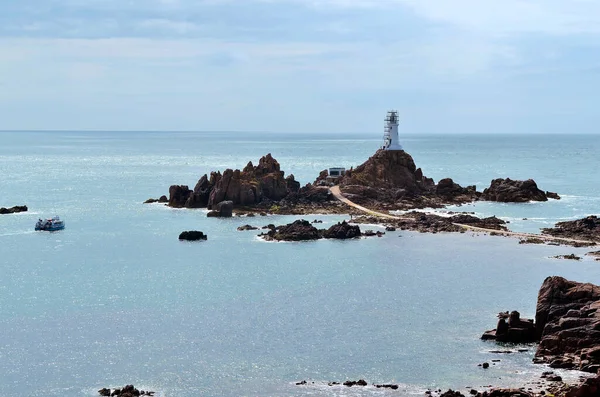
x=335 y=190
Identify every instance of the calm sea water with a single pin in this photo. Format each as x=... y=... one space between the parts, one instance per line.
x=115 y=298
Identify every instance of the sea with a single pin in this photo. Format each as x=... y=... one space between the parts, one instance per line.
x=115 y=298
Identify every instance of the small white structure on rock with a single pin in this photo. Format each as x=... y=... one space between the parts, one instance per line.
x=334 y=173
x=390 y=135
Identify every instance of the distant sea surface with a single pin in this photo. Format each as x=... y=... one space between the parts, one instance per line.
x=115 y=298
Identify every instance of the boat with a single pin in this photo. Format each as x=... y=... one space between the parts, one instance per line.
x=50 y=225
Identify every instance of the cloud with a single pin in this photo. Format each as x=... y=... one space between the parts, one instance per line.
x=555 y=17
x=290 y=63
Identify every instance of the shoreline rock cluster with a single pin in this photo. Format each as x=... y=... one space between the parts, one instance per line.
x=587 y=228
x=431 y=223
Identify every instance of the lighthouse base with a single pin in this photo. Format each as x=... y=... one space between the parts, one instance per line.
x=394 y=147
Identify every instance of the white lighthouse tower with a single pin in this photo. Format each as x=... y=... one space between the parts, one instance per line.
x=390 y=135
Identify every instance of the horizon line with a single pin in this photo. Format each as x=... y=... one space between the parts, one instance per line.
x=406 y=133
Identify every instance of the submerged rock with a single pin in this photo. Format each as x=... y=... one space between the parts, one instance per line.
x=569 y=256
x=126 y=391
x=360 y=382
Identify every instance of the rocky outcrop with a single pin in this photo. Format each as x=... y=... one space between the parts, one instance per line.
x=581 y=229
x=292 y=184
x=511 y=328
x=572 y=257
x=552 y=195
x=342 y=230
x=450 y=189
x=162 y=199
x=192 y=235
x=222 y=210
x=246 y=227
x=127 y=391
x=302 y=230
x=391 y=178
x=13 y=210
x=262 y=184
x=568 y=324
x=299 y=230
x=178 y=195
x=360 y=382
x=510 y=191
x=487 y=223
x=426 y=223
x=431 y=223
x=393 y=171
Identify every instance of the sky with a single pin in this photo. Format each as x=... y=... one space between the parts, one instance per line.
x=460 y=66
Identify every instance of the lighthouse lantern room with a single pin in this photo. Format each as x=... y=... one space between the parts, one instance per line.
x=390 y=135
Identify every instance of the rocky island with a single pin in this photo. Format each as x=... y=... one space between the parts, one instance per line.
x=389 y=180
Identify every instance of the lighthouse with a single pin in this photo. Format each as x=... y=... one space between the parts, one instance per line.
x=390 y=135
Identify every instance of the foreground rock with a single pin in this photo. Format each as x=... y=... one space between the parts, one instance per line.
x=192 y=235
x=511 y=191
x=511 y=328
x=13 y=210
x=582 y=229
x=568 y=325
x=127 y=391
